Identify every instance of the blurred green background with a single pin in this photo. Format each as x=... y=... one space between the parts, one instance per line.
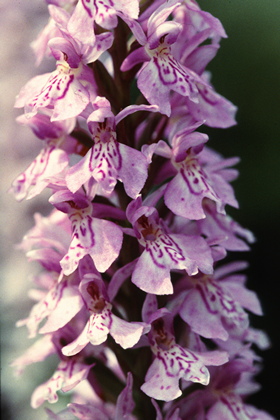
x=246 y=70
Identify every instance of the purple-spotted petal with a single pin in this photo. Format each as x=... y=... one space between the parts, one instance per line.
x=162 y=378
x=211 y=312
x=160 y=384
x=66 y=95
x=51 y=161
x=60 y=296
x=232 y=236
x=102 y=162
x=101 y=239
x=80 y=173
x=163 y=251
x=95 y=332
x=68 y=374
x=30 y=89
x=230 y=407
x=99 y=326
x=67 y=90
x=247 y=298
x=81 y=23
x=102 y=321
x=108 y=161
x=152 y=271
x=102 y=43
x=69 y=304
x=185 y=192
x=213 y=108
x=204 y=19
x=197 y=253
x=163 y=74
x=107 y=11
x=103 y=12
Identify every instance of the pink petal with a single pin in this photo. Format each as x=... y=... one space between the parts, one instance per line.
x=125 y=403
x=68 y=306
x=68 y=374
x=152 y=276
x=134 y=170
x=127 y=334
x=78 y=344
x=159 y=385
x=34 y=179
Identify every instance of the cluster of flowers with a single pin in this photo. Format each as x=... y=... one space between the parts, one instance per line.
x=135 y=300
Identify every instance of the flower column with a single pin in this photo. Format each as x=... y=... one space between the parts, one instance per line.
x=134 y=297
